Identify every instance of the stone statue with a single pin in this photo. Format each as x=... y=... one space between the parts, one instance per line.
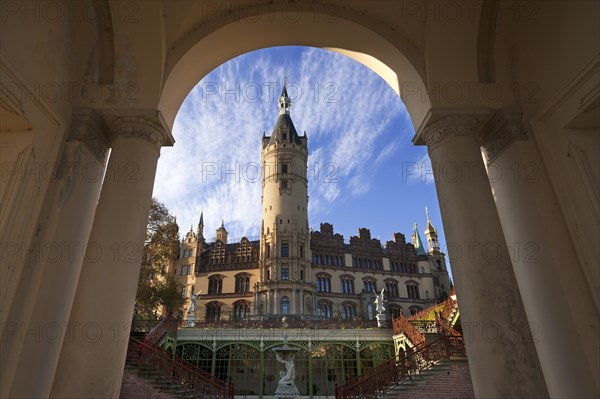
x=192 y=309
x=287 y=376
x=379 y=302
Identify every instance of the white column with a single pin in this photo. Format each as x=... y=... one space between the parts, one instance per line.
x=53 y=274
x=275 y=302
x=502 y=356
x=92 y=360
x=517 y=176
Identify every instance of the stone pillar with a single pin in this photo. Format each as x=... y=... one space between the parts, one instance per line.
x=53 y=274
x=275 y=302
x=517 y=177
x=502 y=356
x=268 y=304
x=92 y=360
x=301 y=301
x=293 y=302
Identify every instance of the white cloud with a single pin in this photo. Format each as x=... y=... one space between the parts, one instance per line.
x=344 y=107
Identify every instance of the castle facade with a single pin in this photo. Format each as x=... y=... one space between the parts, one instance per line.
x=300 y=273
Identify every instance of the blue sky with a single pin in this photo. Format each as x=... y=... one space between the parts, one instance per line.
x=363 y=168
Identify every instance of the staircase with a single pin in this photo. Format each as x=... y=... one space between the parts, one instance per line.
x=449 y=379
x=152 y=372
x=136 y=387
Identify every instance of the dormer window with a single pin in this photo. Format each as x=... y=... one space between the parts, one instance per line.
x=284 y=136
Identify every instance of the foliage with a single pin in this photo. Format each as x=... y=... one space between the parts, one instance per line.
x=157 y=288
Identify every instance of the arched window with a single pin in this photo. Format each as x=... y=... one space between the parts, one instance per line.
x=242 y=283
x=412 y=288
x=215 y=284
x=285 y=305
x=347 y=284
x=395 y=311
x=391 y=286
x=241 y=310
x=213 y=311
x=348 y=311
x=325 y=309
x=323 y=283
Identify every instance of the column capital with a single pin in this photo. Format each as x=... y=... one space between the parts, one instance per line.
x=144 y=124
x=442 y=124
x=89 y=128
x=500 y=130
x=141 y=128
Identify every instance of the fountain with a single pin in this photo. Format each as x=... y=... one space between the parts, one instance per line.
x=286 y=388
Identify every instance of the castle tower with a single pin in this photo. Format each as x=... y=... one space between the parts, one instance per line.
x=285 y=287
x=222 y=233
x=431 y=234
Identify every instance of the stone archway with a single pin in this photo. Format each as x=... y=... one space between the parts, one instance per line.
x=159 y=52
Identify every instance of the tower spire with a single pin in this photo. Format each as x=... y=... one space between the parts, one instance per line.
x=417 y=241
x=200 y=231
x=284 y=99
x=431 y=234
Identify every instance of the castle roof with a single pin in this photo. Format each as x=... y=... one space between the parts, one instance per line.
x=284 y=126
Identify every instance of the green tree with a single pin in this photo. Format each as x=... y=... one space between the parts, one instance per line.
x=158 y=288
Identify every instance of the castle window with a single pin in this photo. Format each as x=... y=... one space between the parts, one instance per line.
x=301 y=275
x=215 y=285
x=183 y=291
x=391 y=287
x=285 y=273
x=395 y=311
x=213 y=312
x=284 y=168
x=325 y=310
x=347 y=284
x=242 y=283
x=370 y=285
x=283 y=184
x=413 y=289
x=349 y=311
x=285 y=249
x=301 y=250
x=285 y=305
x=284 y=136
x=323 y=283
x=241 y=310
x=268 y=251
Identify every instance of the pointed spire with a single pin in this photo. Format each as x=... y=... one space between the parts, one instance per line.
x=429 y=229
x=200 y=230
x=418 y=242
x=284 y=100
x=431 y=234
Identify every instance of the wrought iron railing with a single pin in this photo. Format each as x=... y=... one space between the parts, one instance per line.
x=396 y=371
x=168 y=325
x=181 y=373
x=402 y=325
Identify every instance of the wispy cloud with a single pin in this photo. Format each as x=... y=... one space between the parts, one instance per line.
x=344 y=108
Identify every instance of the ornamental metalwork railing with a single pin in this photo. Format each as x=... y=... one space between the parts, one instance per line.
x=198 y=383
x=396 y=371
x=276 y=323
x=402 y=325
x=168 y=325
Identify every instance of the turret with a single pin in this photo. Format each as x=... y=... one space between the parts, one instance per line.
x=285 y=265
x=431 y=234
x=222 y=233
